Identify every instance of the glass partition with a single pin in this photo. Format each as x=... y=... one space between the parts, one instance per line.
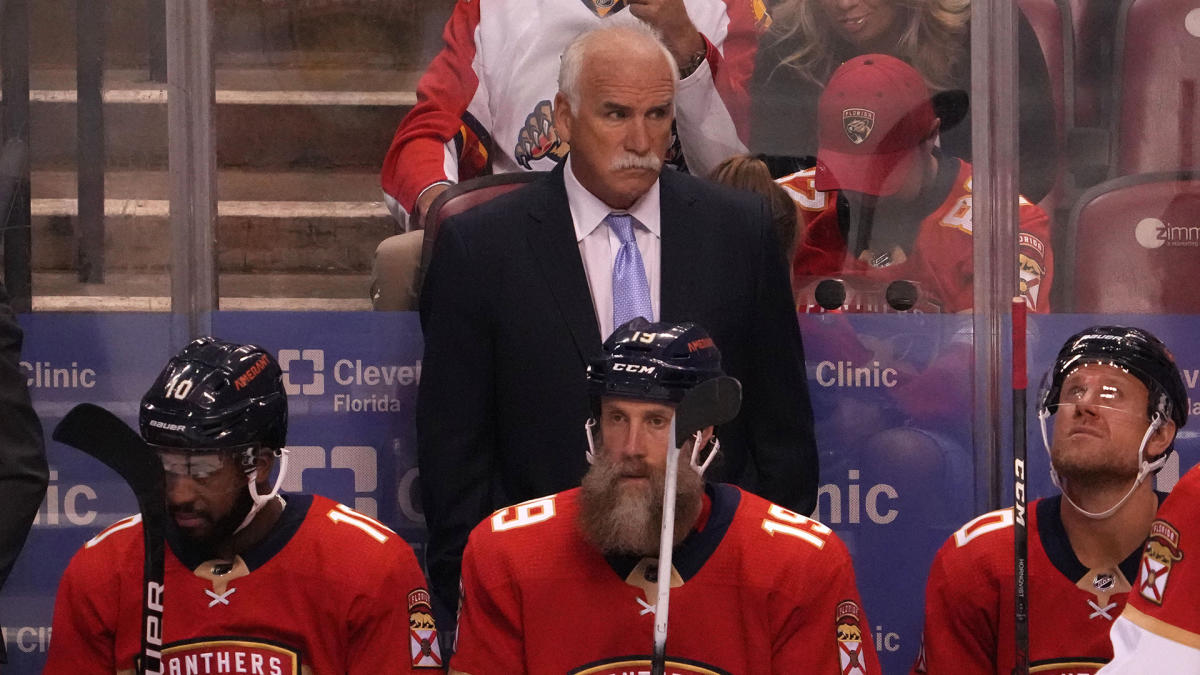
x=1075 y=120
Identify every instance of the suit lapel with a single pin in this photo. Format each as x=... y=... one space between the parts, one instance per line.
x=552 y=241
x=681 y=248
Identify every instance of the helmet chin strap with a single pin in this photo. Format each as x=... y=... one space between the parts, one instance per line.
x=262 y=500
x=1145 y=467
x=697 y=466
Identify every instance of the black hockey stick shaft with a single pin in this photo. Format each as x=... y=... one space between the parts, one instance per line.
x=103 y=435
x=712 y=402
x=1020 y=531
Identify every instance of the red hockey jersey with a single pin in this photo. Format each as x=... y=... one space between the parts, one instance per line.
x=758 y=589
x=969 y=606
x=1159 y=631
x=487 y=98
x=328 y=591
x=939 y=260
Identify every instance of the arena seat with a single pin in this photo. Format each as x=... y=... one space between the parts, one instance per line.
x=401 y=260
x=1156 y=125
x=1135 y=246
x=1051 y=21
x=463 y=197
x=1093 y=27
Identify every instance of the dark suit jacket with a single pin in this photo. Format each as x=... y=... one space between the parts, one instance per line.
x=510 y=328
x=23 y=470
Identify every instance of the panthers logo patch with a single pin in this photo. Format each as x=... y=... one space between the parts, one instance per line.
x=858 y=123
x=538 y=139
x=1162 y=551
x=850 y=638
x=231 y=654
x=422 y=633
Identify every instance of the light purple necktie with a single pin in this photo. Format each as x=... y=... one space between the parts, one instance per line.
x=630 y=289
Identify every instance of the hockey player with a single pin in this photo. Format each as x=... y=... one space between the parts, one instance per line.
x=253 y=582
x=883 y=204
x=1159 y=631
x=1115 y=399
x=566 y=583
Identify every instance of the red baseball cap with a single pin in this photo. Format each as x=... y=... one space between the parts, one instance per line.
x=871 y=120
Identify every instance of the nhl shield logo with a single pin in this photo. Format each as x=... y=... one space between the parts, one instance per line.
x=858 y=123
x=1160 y=553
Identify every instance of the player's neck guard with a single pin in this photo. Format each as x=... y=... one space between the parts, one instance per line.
x=262 y=500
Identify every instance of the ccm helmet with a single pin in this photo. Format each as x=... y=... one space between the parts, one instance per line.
x=653 y=362
x=214 y=395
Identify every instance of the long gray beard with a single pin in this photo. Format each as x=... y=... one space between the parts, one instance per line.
x=627 y=519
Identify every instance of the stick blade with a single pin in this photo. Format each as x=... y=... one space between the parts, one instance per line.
x=710 y=403
x=101 y=434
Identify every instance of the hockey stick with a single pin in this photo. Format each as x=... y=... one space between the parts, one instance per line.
x=1020 y=532
x=709 y=403
x=104 y=436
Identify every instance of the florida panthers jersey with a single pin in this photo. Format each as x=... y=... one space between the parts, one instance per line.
x=1159 y=631
x=756 y=589
x=969 y=606
x=939 y=259
x=487 y=98
x=328 y=591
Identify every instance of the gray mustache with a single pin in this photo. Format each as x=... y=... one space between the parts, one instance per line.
x=631 y=161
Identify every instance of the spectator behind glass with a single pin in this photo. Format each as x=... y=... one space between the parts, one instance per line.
x=751 y=173
x=884 y=206
x=811 y=38
x=485 y=103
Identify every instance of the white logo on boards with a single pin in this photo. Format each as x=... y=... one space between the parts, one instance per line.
x=317 y=357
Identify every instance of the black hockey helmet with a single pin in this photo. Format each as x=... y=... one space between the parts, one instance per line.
x=1133 y=350
x=215 y=394
x=653 y=362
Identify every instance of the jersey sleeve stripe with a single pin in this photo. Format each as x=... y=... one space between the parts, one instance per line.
x=123 y=524
x=1161 y=628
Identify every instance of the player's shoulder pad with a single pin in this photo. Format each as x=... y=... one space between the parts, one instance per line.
x=791 y=532
x=979 y=531
x=124 y=530
x=530 y=514
x=347 y=526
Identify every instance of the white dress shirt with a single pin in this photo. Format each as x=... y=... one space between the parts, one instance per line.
x=598 y=244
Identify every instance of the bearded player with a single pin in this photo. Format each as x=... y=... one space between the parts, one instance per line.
x=1115 y=399
x=254 y=582
x=884 y=205
x=1159 y=631
x=567 y=583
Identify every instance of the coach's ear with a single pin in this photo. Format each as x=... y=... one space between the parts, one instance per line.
x=564 y=117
